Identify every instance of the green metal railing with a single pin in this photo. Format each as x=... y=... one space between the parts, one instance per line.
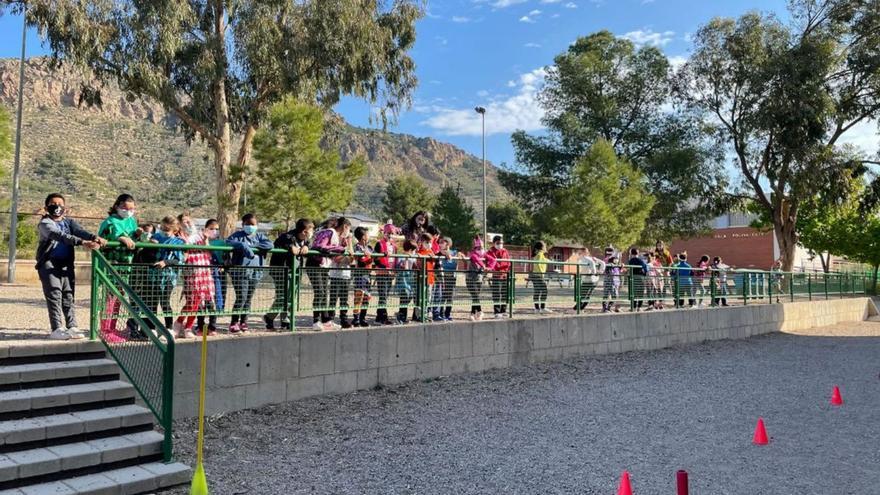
x=136 y=339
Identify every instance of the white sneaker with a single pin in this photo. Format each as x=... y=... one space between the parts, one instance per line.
x=498 y=316
x=547 y=310
x=60 y=334
x=473 y=317
x=333 y=325
x=76 y=333
x=318 y=326
x=538 y=311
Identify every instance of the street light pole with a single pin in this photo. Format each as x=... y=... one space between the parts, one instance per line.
x=482 y=112
x=16 y=167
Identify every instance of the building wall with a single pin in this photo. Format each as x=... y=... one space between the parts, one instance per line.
x=254 y=370
x=740 y=247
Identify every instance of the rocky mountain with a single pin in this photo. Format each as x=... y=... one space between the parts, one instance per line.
x=132 y=146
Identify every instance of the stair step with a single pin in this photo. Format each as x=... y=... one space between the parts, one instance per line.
x=142 y=478
x=31 y=401
x=58 y=428
x=77 y=456
x=52 y=372
x=48 y=350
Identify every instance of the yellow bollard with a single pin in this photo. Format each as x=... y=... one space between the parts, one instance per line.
x=199 y=481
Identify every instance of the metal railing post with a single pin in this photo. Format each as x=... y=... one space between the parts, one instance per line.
x=292 y=293
x=631 y=290
x=511 y=289
x=840 y=285
x=577 y=290
x=825 y=278
x=770 y=283
x=810 y=286
x=94 y=317
x=423 y=292
x=712 y=290
x=791 y=286
x=167 y=401
x=746 y=278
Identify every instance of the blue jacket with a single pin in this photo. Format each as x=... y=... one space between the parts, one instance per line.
x=249 y=250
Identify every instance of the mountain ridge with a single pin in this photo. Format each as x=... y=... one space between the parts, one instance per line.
x=130 y=144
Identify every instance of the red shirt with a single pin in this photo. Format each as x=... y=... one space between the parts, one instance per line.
x=500 y=267
x=429 y=263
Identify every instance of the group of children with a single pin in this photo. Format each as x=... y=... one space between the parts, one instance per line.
x=336 y=260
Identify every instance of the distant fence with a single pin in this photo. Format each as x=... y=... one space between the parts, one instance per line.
x=425 y=294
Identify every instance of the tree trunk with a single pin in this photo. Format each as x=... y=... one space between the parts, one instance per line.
x=874 y=283
x=826 y=262
x=786 y=236
x=228 y=188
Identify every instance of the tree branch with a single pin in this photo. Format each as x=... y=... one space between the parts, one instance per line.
x=194 y=124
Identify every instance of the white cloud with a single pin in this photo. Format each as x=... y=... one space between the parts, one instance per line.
x=645 y=2
x=526 y=19
x=864 y=135
x=572 y=5
x=482 y=93
x=535 y=12
x=649 y=37
x=532 y=45
x=504 y=113
x=500 y=4
x=460 y=19
x=676 y=61
x=440 y=39
x=550 y=1
x=511 y=84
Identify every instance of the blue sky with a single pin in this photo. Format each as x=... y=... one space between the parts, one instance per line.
x=491 y=52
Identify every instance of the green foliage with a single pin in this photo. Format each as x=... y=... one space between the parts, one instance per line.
x=5 y=139
x=26 y=238
x=513 y=222
x=293 y=176
x=404 y=196
x=454 y=217
x=607 y=202
x=783 y=96
x=603 y=88
x=218 y=66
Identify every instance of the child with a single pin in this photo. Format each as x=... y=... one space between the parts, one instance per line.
x=591 y=268
x=219 y=262
x=120 y=225
x=364 y=260
x=162 y=275
x=340 y=282
x=500 y=266
x=611 y=290
x=295 y=243
x=539 y=268
x=328 y=243
x=448 y=266
x=55 y=256
x=476 y=271
x=426 y=255
x=436 y=293
x=198 y=280
x=682 y=276
x=638 y=271
x=248 y=256
x=406 y=286
x=700 y=274
x=385 y=272
x=720 y=280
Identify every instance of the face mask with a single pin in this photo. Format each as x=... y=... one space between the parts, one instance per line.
x=189 y=229
x=55 y=210
x=211 y=234
x=123 y=213
x=250 y=229
x=146 y=236
x=499 y=246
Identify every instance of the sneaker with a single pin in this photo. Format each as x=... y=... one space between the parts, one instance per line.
x=244 y=328
x=332 y=325
x=177 y=327
x=479 y=316
x=270 y=323
x=186 y=334
x=211 y=332
x=234 y=328
x=76 y=333
x=498 y=316
x=346 y=325
x=318 y=326
x=439 y=318
x=112 y=337
x=60 y=334
x=547 y=310
x=537 y=311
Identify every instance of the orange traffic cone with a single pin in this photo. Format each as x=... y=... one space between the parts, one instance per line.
x=760 y=437
x=624 y=488
x=836 y=399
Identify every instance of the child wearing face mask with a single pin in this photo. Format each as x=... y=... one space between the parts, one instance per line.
x=219 y=259
x=249 y=249
x=198 y=280
x=385 y=271
x=162 y=276
x=295 y=243
x=55 y=256
x=500 y=267
x=120 y=225
x=477 y=268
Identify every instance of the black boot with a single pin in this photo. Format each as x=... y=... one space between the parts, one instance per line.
x=363 y=319
x=343 y=319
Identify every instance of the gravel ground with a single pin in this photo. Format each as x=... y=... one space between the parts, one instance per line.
x=573 y=426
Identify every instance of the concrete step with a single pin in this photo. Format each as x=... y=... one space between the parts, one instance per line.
x=62 y=428
x=55 y=372
x=73 y=457
x=143 y=478
x=42 y=351
x=33 y=402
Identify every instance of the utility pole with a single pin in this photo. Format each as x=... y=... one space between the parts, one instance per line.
x=16 y=167
x=482 y=112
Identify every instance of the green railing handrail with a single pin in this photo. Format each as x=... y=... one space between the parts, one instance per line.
x=103 y=271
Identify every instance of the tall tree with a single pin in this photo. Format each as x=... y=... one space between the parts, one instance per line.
x=294 y=176
x=454 y=217
x=782 y=97
x=404 y=196
x=218 y=65
x=607 y=201
x=514 y=223
x=605 y=88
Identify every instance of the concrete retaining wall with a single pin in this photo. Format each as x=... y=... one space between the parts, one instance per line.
x=251 y=371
